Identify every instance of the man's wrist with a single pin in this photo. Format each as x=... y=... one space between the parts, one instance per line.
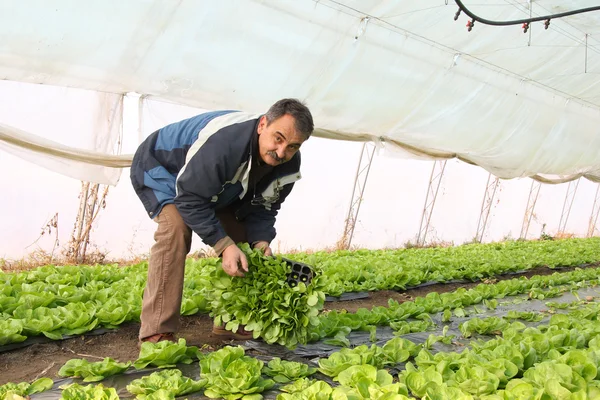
x=222 y=244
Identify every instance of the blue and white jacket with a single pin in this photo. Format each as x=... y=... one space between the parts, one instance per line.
x=202 y=164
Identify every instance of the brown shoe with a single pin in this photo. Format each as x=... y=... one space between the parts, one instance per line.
x=159 y=337
x=240 y=334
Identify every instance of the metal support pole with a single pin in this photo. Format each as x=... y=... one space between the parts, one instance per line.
x=567 y=205
x=594 y=215
x=360 y=181
x=140 y=118
x=435 y=179
x=534 y=192
x=486 y=206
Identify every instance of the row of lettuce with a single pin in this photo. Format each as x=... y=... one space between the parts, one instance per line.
x=368 y=270
x=557 y=360
x=71 y=300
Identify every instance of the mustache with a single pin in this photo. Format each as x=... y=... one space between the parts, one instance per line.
x=275 y=156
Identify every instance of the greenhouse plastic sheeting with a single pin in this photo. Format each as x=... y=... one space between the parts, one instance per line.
x=96 y=162
x=401 y=72
x=77 y=163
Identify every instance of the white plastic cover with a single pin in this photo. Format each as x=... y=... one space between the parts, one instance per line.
x=403 y=72
x=90 y=122
x=79 y=164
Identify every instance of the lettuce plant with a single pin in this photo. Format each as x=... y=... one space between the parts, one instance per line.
x=92 y=372
x=264 y=303
x=283 y=371
x=170 y=383
x=232 y=375
x=165 y=354
x=24 y=388
x=76 y=391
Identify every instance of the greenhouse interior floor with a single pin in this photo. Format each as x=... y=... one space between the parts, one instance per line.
x=45 y=359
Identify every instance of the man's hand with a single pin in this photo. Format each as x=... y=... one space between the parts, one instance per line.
x=264 y=246
x=234 y=262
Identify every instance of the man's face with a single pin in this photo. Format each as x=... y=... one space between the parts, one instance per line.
x=278 y=142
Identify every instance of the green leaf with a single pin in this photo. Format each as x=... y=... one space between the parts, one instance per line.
x=39 y=386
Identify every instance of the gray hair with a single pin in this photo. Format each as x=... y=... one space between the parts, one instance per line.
x=304 y=121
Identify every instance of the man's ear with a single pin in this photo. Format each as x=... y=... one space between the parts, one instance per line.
x=262 y=124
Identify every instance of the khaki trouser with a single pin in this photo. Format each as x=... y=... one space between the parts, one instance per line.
x=161 y=304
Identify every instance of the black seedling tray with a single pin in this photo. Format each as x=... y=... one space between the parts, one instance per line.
x=300 y=273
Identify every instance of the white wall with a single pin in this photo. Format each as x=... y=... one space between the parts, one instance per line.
x=312 y=217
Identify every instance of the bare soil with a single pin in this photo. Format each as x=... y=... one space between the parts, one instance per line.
x=44 y=360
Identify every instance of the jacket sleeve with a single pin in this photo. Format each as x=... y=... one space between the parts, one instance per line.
x=202 y=178
x=260 y=222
